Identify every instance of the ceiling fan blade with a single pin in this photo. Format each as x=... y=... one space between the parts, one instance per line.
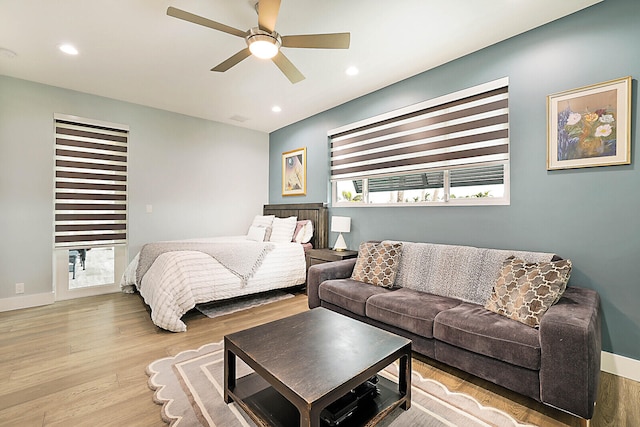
x=268 y=14
x=190 y=17
x=287 y=68
x=318 y=41
x=234 y=60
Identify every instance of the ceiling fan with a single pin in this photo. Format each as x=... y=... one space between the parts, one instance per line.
x=264 y=42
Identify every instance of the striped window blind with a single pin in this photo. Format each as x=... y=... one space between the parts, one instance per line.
x=90 y=183
x=462 y=130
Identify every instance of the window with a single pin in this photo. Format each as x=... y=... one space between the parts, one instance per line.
x=90 y=202
x=450 y=150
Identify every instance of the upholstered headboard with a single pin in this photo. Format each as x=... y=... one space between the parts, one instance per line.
x=316 y=212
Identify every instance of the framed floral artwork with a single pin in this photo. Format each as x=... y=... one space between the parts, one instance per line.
x=294 y=172
x=590 y=126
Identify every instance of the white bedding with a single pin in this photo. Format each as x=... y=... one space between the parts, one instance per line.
x=177 y=281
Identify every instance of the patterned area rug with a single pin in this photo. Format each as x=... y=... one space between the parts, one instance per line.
x=221 y=308
x=190 y=385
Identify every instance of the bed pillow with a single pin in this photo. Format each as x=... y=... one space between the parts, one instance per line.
x=377 y=263
x=303 y=232
x=525 y=291
x=282 y=229
x=265 y=222
x=256 y=233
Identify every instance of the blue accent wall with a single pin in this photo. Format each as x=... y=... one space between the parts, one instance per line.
x=591 y=216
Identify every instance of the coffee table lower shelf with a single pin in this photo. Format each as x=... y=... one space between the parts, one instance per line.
x=267 y=407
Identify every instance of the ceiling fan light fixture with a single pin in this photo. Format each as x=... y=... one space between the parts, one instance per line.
x=262 y=44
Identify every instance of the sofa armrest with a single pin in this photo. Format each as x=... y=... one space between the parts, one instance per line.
x=326 y=271
x=570 y=340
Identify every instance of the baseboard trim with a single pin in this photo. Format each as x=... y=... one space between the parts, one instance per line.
x=620 y=365
x=26 y=301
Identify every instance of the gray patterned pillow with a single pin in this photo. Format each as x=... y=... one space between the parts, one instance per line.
x=377 y=263
x=525 y=291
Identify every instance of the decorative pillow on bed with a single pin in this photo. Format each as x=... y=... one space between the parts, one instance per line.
x=256 y=233
x=303 y=232
x=263 y=221
x=282 y=229
x=377 y=263
x=525 y=291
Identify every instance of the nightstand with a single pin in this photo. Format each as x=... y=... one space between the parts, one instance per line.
x=318 y=256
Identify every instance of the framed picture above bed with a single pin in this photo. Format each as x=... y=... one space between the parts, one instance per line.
x=590 y=126
x=294 y=172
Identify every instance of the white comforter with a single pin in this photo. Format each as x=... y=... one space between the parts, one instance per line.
x=177 y=281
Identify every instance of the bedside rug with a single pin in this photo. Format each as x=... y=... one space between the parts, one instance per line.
x=220 y=308
x=190 y=387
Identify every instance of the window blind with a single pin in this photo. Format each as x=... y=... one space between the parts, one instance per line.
x=90 y=184
x=468 y=129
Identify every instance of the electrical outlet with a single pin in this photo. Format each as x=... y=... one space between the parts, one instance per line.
x=19 y=288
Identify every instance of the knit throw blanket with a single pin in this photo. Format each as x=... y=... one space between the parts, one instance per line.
x=461 y=272
x=241 y=258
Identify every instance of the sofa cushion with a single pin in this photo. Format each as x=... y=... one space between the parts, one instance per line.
x=349 y=294
x=525 y=291
x=410 y=310
x=377 y=263
x=474 y=328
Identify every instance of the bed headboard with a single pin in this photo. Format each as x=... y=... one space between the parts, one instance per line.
x=316 y=212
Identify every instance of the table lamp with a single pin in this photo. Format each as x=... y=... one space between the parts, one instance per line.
x=340 y=224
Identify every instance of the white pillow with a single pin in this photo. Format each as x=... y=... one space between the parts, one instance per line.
x=256 y=233
x=263 y=220
x=282 y=229
x=305 y=234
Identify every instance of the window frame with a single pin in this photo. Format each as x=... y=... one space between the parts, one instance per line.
x=367 y=167
x=61 y=249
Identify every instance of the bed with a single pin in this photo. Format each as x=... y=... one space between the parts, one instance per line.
x=173 y=277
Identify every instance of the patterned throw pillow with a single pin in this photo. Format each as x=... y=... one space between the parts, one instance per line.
x=377 y=263
x=525 y=291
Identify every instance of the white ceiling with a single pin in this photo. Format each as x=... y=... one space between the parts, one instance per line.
x=132 y=51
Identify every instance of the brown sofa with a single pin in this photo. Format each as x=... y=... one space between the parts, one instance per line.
x=557 y=364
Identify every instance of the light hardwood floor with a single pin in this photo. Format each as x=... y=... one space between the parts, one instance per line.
x=82 y=363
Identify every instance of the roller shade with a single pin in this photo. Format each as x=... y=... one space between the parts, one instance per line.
x=90 y=184
x=470 y=131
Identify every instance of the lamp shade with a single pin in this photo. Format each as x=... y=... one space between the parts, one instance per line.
x=340 y=224
x=264 y=49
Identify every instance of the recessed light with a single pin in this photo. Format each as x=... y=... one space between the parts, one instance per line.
x=352 y=71
x=276 y=109
x=68 y=49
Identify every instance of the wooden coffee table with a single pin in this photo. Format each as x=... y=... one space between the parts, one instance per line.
x=307 y=361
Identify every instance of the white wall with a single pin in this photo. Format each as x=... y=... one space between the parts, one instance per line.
x=202 y=178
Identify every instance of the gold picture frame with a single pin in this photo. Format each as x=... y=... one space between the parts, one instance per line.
x=590 y=126
x=294 y=172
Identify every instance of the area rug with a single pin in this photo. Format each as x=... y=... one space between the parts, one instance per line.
x=221 y=308
x=190 y=385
